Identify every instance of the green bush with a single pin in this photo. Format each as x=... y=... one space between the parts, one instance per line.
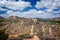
x=3 y=35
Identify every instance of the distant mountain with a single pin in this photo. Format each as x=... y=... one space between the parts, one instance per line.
x=40 y=19
x=12 y=17
x=56 y=19
x=49 y=19
x=1 y=17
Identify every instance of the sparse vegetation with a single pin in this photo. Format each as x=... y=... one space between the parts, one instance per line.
x=3 y=35
x=23 y=26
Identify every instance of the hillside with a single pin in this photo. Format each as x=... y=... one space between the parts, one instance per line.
x=18 y=26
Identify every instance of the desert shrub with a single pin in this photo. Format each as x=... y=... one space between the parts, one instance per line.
x=3 y=35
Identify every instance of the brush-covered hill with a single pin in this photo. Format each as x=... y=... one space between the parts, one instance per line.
x=16 y=25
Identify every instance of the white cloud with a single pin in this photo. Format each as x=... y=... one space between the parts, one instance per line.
x=20 y=5
x=51 y=4
x=33 y=14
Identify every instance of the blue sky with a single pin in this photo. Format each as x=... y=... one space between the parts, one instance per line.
x=30 y=8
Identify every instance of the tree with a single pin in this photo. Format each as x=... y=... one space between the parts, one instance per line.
x=3 y=35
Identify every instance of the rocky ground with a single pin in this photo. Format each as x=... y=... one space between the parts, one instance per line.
x=15 y=26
